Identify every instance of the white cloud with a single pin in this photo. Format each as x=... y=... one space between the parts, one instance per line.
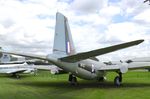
x=88 y=6
x=28 y=25
x=131 y=7
x=110 y=11
x=143 y=16
x=2 y=30
x=125 y=31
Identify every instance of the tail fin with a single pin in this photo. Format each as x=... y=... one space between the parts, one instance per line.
x=63 y=43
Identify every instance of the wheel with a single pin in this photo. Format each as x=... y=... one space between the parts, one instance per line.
x=101 y=79
x=120 y=77
x=117 y=81
x=17 y=76
x=72 y=79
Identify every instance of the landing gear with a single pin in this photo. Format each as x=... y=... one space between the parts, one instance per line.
x=118 y=80
x=72 y=79
x=16 y=76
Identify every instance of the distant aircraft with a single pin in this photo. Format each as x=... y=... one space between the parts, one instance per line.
x=147 y=1
x=11 y=65
x=6 y=59
x=16 y=69
x=52 y=68
x=84 y=65
x=132 y=63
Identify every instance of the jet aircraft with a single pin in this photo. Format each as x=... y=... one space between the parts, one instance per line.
x=84 y=65
x=16 y=69
x=7 y=59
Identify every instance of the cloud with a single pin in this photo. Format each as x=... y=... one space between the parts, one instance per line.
x=88 y=6
x=28 y=25
x=110 y=11
x=143 y=16
x=125 y=31
x=20 y=27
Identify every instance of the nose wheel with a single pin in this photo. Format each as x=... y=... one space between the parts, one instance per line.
x=72 y=79
x=118 y=80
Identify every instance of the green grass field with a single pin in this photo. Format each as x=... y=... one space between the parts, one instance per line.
x=136 y=85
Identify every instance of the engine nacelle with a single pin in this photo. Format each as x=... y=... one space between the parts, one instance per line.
x=89 y=68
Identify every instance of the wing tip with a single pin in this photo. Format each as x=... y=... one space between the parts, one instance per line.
x=140 y=41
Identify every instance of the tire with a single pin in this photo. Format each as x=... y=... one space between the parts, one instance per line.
x=70 y=78
x=74 y=81
x=117 y=81
x=17 y=76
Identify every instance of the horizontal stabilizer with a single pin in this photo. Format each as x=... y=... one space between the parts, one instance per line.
x=93 y=53
x=25 y=55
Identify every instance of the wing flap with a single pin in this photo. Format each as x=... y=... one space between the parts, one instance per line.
x=93 y=53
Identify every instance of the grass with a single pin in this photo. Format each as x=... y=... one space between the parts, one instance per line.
x=46 y=86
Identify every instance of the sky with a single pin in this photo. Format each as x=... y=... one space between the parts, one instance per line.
x=28 y=25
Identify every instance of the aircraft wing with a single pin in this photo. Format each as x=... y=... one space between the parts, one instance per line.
x=93 y=53
x=42 y=57
x=141 y=59
x=25 y=55
x=84 y=55
x=124 y=67
x=16 y=71
x=27 y=61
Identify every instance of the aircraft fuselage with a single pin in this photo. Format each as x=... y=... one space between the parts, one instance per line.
x=86 y=69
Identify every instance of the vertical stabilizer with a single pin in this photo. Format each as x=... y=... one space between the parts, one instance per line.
x=63 y=43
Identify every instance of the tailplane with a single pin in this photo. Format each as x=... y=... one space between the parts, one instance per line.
x=63 y=43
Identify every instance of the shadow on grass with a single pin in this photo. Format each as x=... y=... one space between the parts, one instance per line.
x=81 y=85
